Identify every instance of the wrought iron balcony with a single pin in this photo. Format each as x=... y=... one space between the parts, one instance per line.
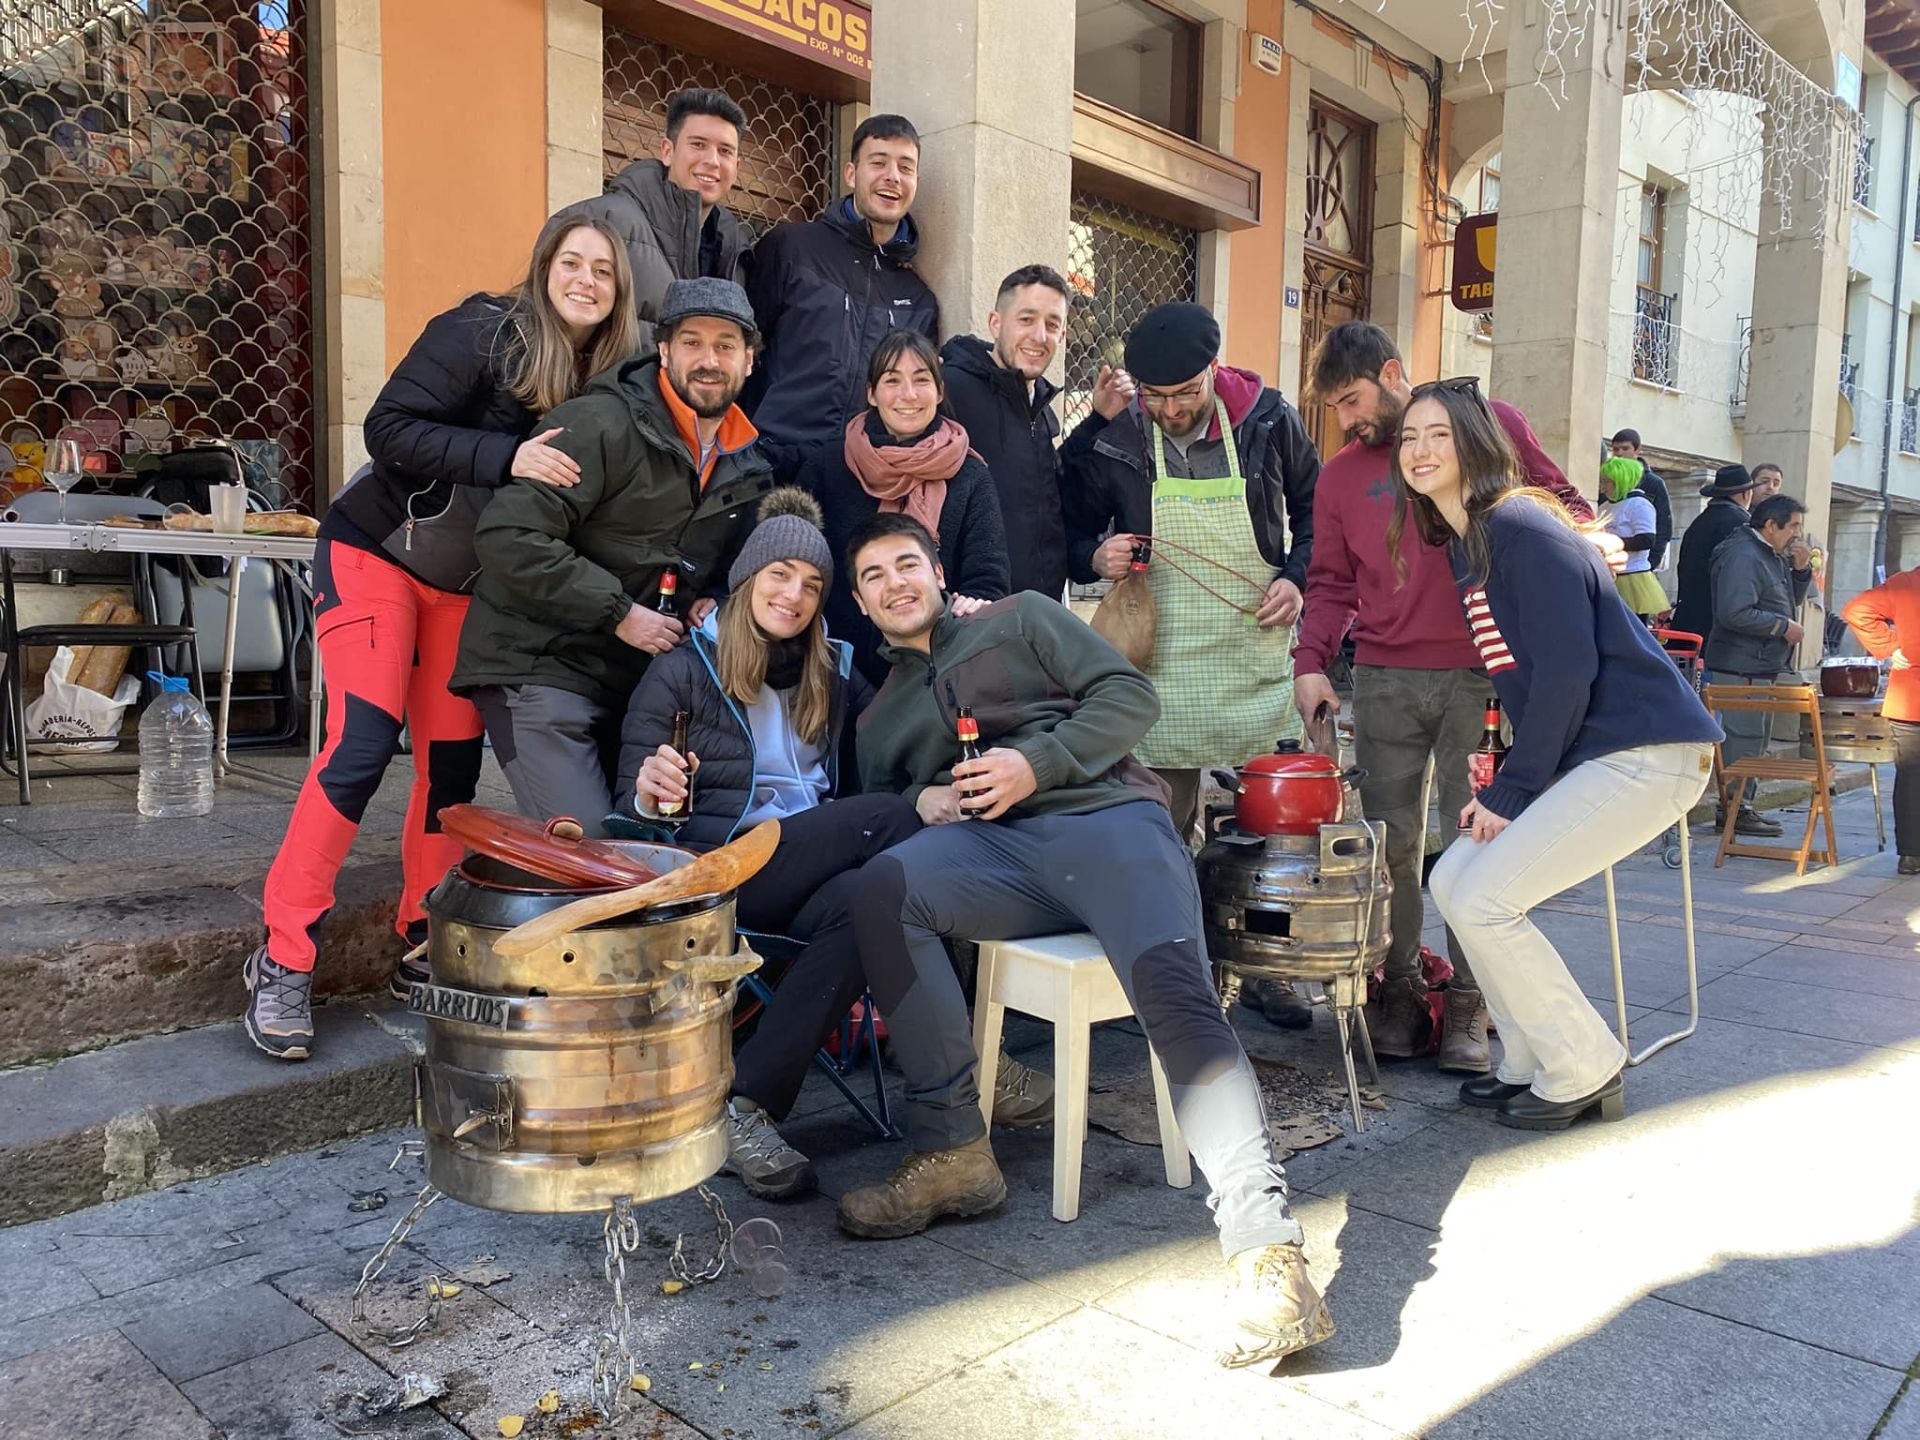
x=1656 y=339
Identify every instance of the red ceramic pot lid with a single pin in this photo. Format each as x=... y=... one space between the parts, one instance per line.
x=534 y=845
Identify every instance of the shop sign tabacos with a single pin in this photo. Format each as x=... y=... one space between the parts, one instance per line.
x=834 y=32
x=1473 y=248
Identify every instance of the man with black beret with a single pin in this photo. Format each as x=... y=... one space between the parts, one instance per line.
x=1216 y=468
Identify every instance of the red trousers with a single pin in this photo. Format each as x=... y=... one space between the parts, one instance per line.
x=387 y=646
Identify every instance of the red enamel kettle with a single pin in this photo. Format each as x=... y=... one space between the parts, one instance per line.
x=1288 y=792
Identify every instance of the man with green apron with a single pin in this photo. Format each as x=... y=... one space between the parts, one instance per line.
x=1216 y=470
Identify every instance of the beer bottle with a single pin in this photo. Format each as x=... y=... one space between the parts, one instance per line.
x=1140 y=556
x=675 y=809
x=969 y=731
x=1491 y=753
x=669 y=588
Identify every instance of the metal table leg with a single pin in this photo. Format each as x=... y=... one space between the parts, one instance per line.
x=223 y=764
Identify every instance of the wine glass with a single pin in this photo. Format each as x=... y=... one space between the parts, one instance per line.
x=63 y=470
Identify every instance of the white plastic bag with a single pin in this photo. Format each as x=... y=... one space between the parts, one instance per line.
x=67 y=711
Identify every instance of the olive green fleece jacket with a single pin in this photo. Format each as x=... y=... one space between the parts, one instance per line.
x=1040 y=681
x=561 y=566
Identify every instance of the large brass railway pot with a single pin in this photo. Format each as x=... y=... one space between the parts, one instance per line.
x=596 y=1066
x=1306 y=907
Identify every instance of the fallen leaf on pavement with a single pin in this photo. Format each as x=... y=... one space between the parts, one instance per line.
x=671 y=1287
x=641 y=1383
x=548 y=1403
x=1304 y=1131
x=438 y=1289
x=481 y=1271
x=365 y=1200
x=511 y=1425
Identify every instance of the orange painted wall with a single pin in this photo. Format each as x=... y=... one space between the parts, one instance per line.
x=1257 y=270
x=1436 y=267
x=464 y=115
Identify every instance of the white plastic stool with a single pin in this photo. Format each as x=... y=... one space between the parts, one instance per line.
x=1065 y=979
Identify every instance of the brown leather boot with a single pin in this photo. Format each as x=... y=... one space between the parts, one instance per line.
x=1463 y=1038
x=1397 y=1020
x=1275 y=1306
x=927 y=1185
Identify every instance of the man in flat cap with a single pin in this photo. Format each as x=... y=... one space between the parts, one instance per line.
x=1216 y=469
x=568 y=609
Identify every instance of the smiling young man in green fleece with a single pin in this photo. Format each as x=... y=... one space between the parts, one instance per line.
x=1055 y=828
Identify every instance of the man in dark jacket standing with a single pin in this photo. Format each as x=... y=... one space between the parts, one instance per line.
x=1211 y=461
x=672 y=211
x=569 y=610
x=998 y=390
x=1760 y=577
x=825 y=291
x=1626 y=443
x=1728 y=496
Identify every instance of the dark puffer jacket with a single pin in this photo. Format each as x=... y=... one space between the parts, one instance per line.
x=719 y=733
x=562 y=566
x=661 y=224
x=444 y=418
x=973 y=540
x=825 y=295
x=1014 y=433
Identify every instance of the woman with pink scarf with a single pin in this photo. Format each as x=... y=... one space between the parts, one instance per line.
x=901 y=454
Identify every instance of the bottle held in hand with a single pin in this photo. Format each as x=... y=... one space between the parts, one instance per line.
x=676 y=810
x=669 y=603
x=1486 y=758
x=969 y=732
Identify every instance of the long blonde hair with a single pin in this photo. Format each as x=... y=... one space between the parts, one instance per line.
x=545 y=368
x=742 y=663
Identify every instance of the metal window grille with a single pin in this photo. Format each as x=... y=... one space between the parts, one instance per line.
x=1863 y=173
x=1910 y=423
x=1743 y=369
x=786 y=155
x=1850 y=379
x=1121 y=262
x=155 y=285
x=1656 y=339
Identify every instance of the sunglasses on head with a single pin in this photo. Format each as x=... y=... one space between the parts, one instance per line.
x=1459 y=385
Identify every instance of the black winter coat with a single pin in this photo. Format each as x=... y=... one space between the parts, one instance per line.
x=973 y=540
x=661 y=225
x=1108 y=488
x=1693 y=612
x=718 y=732
x=444 y=418
x=1014 y=433
x=824 y=296
x=1655 y=489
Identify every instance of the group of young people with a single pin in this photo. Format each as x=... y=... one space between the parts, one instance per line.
x=822 y=637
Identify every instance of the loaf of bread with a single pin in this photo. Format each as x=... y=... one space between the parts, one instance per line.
x=103 y=665
x=265 y=522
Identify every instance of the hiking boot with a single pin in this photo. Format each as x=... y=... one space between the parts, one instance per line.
x=1397 y=1019
x=1463 y=1034
x=279 y=1007
x=1275 y=1306
x=1022 y=1095
x=410 y=970
x=928 y=1184
x=1279 y=1002
x=769 y=1167
x=1748 y=821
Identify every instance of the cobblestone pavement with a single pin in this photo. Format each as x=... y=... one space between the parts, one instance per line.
x=1737 y=1258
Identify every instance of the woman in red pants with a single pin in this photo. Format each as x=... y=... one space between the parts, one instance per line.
x=392 y=571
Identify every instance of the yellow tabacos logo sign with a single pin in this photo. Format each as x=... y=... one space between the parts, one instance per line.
x=835 y=32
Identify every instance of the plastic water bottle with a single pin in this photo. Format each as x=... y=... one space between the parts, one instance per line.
x=176 y=752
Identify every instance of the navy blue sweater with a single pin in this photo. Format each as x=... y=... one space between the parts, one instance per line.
x=1577 y=672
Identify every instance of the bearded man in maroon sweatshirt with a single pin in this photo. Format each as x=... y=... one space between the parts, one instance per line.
x=1418 y=688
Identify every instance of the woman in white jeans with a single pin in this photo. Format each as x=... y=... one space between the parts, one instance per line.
x=1610 y=747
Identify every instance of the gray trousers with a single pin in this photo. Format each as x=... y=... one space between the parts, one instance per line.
x=1185 y=803
x=1400 y=717
x=1124 y=875
x=555 y=747
x=1749 y=733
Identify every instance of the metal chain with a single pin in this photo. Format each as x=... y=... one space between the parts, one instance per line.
x=621 y=1232
x=405 y=1335
x=723 y=1236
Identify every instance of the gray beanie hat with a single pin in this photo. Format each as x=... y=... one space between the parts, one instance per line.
x=789 y=529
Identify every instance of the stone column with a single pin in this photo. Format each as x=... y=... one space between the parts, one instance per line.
x=989 y=86
x=350 y=243
x=575 y=66
x=1560 y=159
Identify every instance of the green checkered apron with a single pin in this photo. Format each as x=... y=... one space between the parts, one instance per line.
x=1226 y=685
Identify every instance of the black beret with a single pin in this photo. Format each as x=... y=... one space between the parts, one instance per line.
x=1172 y=343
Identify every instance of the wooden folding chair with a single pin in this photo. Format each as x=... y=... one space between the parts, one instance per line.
x=1793 y=700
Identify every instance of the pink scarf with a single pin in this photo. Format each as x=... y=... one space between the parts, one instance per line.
x=910 y=478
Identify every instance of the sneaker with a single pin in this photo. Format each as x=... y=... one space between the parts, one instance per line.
x=1910 y=864
x=769 y=1167
x=928 y=1185
x=1275 y=1306
x=1022 y=1095
x=410 y=970
x=279 y=1007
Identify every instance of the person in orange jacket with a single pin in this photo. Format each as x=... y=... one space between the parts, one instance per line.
x=1887 y=620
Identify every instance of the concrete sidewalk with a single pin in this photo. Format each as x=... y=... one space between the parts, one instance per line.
x=1738 y=1258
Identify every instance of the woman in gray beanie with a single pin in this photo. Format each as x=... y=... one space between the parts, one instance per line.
x=769 y=700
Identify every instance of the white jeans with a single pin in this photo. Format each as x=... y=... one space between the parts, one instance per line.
x=1595 y=814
